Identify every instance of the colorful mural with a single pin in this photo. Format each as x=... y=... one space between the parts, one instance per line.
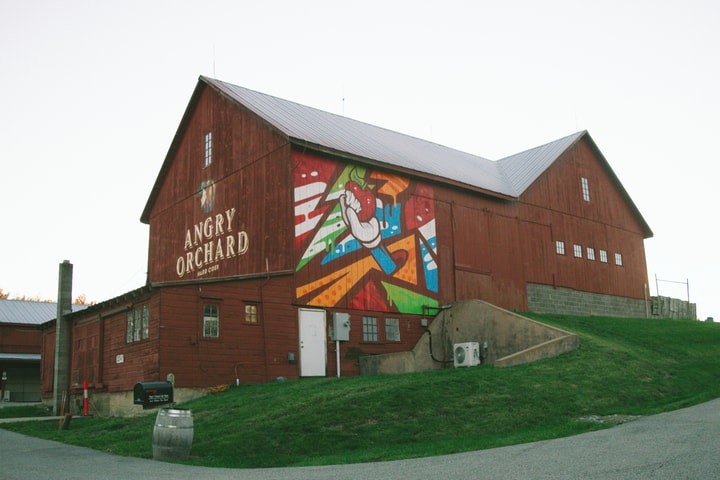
x=365 y=239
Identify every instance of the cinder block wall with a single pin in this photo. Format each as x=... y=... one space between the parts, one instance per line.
x=566 y=301
x=549 y=299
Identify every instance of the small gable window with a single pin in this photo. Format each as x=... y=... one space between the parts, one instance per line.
x=208 y=149
x=584 y=184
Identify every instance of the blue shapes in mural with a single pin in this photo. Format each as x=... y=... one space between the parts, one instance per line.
x=429 y=265
x=390 y=225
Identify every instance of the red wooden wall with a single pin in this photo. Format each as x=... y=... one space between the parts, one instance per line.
x=497 y=246
x=250 y=198
x=19 y=338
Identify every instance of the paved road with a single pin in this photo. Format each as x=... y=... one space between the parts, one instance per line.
x=684 y=444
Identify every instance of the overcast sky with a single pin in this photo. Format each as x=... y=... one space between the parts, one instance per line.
x=91 y=94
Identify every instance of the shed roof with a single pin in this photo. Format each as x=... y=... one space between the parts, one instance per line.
x=323 y=131
x=30 y=313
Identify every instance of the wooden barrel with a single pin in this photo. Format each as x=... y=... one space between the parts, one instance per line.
x=173 y=434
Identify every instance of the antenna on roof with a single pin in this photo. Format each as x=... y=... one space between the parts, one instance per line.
x=342 y=99
x=214 y=61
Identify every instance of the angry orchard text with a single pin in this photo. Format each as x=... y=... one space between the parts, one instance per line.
x=208 y=243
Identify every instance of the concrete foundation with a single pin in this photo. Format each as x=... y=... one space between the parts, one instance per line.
x=120 y=404
x=511 y=340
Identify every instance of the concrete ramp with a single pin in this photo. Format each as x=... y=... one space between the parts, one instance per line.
x=511 y=339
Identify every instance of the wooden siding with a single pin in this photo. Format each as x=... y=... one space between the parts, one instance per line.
x=85 y=359
x=410 y=328
x=126 y=363
x=251 y=352
x=18 y=338
x=496 y=247
x=604 y=223
x=249 y=200
x=47 y=361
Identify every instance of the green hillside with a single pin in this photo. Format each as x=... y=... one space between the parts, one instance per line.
x=623 y=368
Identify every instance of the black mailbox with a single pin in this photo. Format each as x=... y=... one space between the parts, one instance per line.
x=152 y=393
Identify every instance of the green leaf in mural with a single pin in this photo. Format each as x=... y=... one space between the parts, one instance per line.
x=406 y=300
x=330 y=230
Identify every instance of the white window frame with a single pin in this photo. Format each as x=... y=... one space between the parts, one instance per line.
x=138 y=324
x=251 y=313
x=211 y=320
x=618 y=259
x=208 y=149
x=603 y=256
x=370 y=329
x=577 y=250
x=585 y=187
x=392 y=329
x=559 y=247
x=590 y=253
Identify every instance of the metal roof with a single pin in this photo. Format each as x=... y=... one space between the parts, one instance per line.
x=323 y=131
x=342 y=134
x=21 y=357
x=523 y=168
x=30 y=313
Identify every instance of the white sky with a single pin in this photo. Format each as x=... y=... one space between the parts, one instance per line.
x=91 y=94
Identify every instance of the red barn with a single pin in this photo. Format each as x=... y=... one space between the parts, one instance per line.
x=21 y=342
x=269 y=218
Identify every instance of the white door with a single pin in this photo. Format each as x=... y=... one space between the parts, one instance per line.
x=312 y=343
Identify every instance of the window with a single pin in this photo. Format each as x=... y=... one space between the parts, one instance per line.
x=211 y=320
x=590 y=253
x=392 y=329
x=585 y=188
x=560 y=247
x=618 y=259
x=370 y=329
x=577 y=250
x=130 y=327
x=146 y=321
x=603 y=256
x=208 y=149
x=138 y=324
x=251 y=313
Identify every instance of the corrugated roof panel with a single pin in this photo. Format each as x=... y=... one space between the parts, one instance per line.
x=375 y=143
x=30 y=313
x=20 y=357
x=523 y=168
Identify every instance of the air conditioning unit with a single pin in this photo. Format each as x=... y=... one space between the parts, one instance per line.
x=466 y=354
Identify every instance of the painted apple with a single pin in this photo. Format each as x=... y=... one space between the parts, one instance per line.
x=366 y=197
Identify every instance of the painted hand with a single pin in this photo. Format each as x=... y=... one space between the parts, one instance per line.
x=367 y=232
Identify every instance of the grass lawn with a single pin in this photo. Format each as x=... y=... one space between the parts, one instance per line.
x=625 y=367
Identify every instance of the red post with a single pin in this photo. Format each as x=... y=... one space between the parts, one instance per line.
x=86 y=409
